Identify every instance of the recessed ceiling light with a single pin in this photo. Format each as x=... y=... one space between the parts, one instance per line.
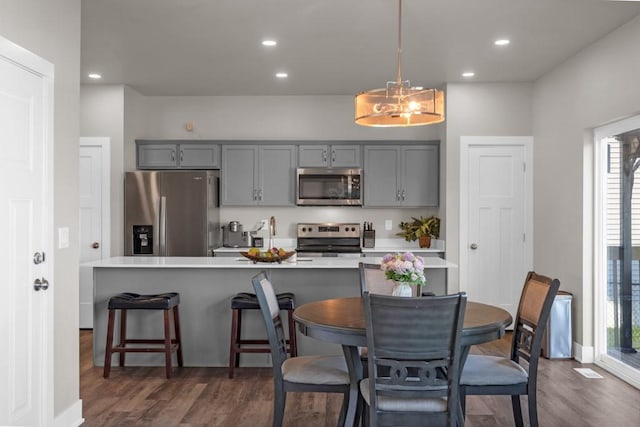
x=468 y=74
x=282 y=75
x=269 y=42
x=95 y=76
x=502 y=42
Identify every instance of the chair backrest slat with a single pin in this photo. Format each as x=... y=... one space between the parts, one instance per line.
x=533 y=312
x=271 y=315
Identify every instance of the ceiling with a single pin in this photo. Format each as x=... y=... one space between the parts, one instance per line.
x=332 y=47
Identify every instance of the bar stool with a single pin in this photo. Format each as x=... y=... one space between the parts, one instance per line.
x=130 y=301
x=248 y=301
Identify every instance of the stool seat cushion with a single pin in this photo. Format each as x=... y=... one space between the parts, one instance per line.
x=316 y=370
x=249 y=301
x=131 y=301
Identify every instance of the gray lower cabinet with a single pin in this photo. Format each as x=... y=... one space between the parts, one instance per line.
x=177 y=155
x=258 y=175
x=337 y=156
x=401 y=176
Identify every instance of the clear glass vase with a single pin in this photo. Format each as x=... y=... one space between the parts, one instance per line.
x=402 y=289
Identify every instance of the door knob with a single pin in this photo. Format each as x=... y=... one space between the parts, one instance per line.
x=41 y=284
x=474 y=246
x=38 y=258
x=95 y=245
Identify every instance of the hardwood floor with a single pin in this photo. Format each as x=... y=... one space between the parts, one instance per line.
x=140 y=396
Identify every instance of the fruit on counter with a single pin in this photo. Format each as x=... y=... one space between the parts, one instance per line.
x=269 y=253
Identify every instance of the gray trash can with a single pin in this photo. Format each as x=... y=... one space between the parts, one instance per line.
x=557 y=339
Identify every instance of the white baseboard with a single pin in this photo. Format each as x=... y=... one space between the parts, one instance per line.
x=583 y=354
x=70 y=417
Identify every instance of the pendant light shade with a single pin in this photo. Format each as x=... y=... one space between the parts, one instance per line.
x=399 y=104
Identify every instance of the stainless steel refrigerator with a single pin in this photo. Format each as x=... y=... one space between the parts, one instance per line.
x=172 y=213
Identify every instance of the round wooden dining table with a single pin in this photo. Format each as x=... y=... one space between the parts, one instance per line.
x=341 y=321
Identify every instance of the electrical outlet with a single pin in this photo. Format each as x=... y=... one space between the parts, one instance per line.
x=388 y=224
x=189 y=126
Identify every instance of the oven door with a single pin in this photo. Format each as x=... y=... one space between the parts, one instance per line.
x=328 y=187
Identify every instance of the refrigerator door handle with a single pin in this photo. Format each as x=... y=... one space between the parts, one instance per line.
x=163 y=226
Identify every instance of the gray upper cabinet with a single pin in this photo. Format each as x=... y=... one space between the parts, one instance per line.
x=339 y=156
x=177 y=155
x=401 y=176
x=258 y=175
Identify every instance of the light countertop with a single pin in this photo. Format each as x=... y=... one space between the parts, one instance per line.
x=382 y=245
x=242 y=263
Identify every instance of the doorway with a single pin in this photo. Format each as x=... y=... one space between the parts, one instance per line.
x=617 y=249
x=496 y=226
x=95 y=208
x=26 y=246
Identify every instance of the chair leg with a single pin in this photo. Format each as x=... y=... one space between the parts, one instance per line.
x=462 y=391
x=109 y=347
x=123 y=337
x=167 y=344
x=517 y=410
x=233 y=356
x=533 y=409
x=178 y=335
x=343 y=410
x=278 y=405
x=293 y=344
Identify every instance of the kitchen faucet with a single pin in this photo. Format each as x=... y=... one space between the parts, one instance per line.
x=272 y=230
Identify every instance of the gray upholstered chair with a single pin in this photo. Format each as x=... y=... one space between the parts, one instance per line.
x=414 y=360
x=327 y=374
x=490 y=375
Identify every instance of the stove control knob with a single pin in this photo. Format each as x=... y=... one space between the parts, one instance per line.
x=353 y=229
x=310 y=229
x=304 y=229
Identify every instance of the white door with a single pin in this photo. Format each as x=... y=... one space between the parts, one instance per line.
x=94 y=208
x=26 y=224
x=496 y=239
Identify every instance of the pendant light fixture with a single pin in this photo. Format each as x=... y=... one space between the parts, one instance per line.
x=399 y=104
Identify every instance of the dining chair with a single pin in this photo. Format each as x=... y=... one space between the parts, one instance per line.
x=491 y=375
x=328 y=374
x=414 y=360
x=373 y=280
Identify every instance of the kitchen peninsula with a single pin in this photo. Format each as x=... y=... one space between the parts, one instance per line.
x=206 y=285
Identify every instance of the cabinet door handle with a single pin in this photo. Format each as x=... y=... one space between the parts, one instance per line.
x=398 y=195
x=181 y=155
x=403 y=194
x=173 y=155
x=255 y=194
x=260 y=194
x=324 y=156
x=333 y=155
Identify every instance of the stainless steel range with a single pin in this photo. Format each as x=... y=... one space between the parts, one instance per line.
x=329 y=239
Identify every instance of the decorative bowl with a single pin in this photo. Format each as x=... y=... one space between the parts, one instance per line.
x=274 y=258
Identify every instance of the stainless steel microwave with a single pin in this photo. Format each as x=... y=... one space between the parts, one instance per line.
x=329 y=187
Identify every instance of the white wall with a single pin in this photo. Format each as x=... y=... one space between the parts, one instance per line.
x=474 y=109
x=102 y=114
x=52 y=31
x=597 y=86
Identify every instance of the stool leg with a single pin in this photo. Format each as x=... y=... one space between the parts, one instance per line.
x=108 y=348
x=123 y=336
x=176 y=326
x=234 y=358
x=167 y=344
x=293 y=345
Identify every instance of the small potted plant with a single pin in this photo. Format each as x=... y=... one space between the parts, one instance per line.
x=421 y=229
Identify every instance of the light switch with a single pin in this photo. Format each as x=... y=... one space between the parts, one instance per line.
x=63 y=237
x=388 y=224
